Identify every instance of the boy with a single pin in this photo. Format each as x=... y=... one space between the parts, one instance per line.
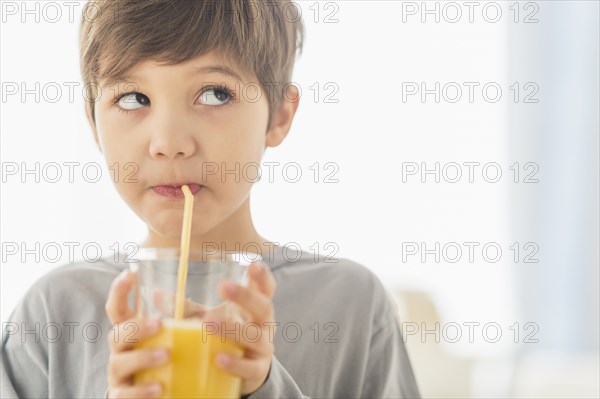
x=152 y=68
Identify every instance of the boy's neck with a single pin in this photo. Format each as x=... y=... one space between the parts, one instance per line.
x=237 y=233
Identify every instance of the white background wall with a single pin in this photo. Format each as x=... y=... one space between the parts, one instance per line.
x=369 y=50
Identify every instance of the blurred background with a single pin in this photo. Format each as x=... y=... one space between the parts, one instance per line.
x=457 y=150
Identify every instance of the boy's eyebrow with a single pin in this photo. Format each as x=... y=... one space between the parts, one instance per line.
x=205 y=69
x=219 y=69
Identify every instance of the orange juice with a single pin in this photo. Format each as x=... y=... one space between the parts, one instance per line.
x=192 y=371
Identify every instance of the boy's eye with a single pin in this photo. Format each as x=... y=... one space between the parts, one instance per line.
x=214 y=97
x=133 y=101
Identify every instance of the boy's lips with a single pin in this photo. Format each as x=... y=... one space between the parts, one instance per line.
x=174 y=191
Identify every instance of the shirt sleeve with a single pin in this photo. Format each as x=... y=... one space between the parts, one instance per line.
x=279 y=384
x=23 y=363
x=389 y=370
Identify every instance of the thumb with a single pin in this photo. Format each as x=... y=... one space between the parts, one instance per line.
x=117 y=307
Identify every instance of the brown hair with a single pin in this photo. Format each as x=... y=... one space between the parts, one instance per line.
x=260 y=37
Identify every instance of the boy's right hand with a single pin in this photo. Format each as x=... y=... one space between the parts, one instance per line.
x=124 y=361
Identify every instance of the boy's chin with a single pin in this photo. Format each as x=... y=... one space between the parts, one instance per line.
x=168 y=233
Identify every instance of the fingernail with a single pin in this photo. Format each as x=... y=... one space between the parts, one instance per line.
x=223 y=359
x=152 y=324
x=121 y=277
x=229 y=288
x=155 y=388
x=258 y=268
x=160 y=355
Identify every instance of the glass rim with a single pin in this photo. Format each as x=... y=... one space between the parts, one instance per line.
x=242 y=258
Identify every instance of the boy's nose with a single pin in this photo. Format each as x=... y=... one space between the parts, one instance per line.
x=171 y=148
x=172 y=141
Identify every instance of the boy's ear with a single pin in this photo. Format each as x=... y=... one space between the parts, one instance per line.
x=283 y=115
x=88 y=114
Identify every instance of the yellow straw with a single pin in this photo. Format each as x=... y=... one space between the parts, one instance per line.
x=185 y=251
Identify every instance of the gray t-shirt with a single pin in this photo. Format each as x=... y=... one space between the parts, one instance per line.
x=338 y=334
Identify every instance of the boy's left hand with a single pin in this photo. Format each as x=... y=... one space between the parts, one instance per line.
x=256 y=301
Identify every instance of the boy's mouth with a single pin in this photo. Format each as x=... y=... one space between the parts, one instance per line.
x=174 y=191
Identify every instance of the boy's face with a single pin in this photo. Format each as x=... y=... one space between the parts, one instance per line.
x=178 y=128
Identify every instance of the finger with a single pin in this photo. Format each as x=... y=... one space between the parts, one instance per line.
x=252 y=337
x=225 y=311
x=165 y=303
x=247 y=369
x=122 y=366
x=262 y=278
x=125 y=335
x=117 y=307
x=151 y=390
x=255 y=303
